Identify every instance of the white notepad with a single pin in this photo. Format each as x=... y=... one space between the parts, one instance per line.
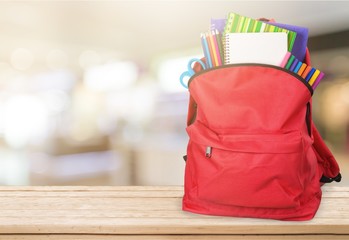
x=264 y=47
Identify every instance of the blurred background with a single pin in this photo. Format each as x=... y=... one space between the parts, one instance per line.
x=90 y=93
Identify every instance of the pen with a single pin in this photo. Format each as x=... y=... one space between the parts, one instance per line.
x=220 y=45
x=318 y=79
x=296 y=69
x=213 y=46
x=290 y=61
x=314 y=77
x=306 y=71
x=206 y=51
x=301 y=69
x=210 y=47
x=216 y=48
x=294 y=64
x=284 y=61
x=311 y=72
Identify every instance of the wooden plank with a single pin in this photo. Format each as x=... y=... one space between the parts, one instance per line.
x=169 y=226
x=124 y=191
x=144 y=210
x=95 y=213
x=328 y=207
x=172 y=237
x=93 y=194
x=169 y=208
x=92 y=191
x=93 y=203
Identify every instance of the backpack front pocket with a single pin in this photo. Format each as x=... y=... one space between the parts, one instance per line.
x=247 y=170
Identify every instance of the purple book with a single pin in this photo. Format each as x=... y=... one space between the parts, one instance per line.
x=300 y=44
x=218 y=24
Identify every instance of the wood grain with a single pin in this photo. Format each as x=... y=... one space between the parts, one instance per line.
x=149 y=213
x=172 y=237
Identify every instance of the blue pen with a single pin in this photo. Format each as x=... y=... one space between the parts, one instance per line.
x=206 y=51
x=294 y=64
x=296 y=69
x=307 y=78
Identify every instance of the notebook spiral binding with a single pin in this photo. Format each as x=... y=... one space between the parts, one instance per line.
x=226 y=53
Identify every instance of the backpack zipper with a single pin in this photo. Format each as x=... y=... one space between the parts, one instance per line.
x=208 y=152
x=254 y=64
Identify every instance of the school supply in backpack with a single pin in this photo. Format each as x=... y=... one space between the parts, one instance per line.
x=310 y=74
x=300 y=41
x=212 y=47
x=190 y=71
x=268 y=48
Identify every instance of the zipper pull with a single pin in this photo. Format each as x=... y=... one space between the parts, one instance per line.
x=208 y=152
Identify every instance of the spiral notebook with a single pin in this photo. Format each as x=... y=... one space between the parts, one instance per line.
x=261 y=47
x=237 y=23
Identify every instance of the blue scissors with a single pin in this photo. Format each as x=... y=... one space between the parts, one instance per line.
x=190 y=71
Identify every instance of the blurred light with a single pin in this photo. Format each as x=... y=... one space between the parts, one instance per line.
x=111 y=76
x=82 y=134
x=169 y=72
x=23 y=15
x=25 y=120
x=85 y=108
x=2 y=122
x=339 y=64
x=89 y=58
x=335 y=111
x=6 y=72
x=14 y=168
x=56 y=101
x=22 y=59
x=141 y=102
x=344 y=93
x=132 y=133
x=57 y=59
x=63 y=80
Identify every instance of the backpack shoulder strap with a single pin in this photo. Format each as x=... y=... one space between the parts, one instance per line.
x=192 y=108
x=191 y=111
x=327 y=163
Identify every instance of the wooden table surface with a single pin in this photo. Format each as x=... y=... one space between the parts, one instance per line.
x=149 y=213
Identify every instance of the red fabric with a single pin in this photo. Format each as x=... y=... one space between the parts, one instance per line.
x=327 y=163
x=192 y=105
x=263 y=162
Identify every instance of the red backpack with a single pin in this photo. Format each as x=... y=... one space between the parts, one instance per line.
x=253 y=148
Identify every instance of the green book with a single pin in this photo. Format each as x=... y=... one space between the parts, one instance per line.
x=251 y=25
x=237 y=24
